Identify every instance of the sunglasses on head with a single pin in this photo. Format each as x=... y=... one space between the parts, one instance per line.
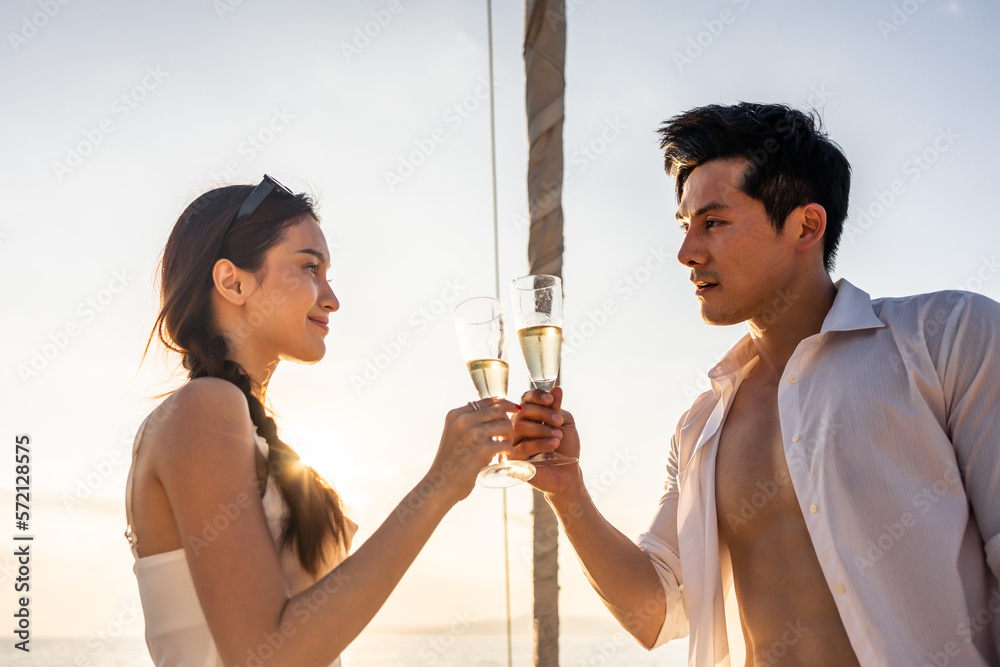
x=255 y=199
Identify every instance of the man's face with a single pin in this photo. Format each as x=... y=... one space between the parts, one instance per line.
x=737 y=260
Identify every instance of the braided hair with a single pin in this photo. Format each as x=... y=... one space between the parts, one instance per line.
x=185 y=325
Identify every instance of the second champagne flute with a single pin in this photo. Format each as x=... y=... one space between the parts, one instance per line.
x=483 y=341
x=538 y=316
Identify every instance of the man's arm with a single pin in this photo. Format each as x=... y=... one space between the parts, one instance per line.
x=642 y=590
x=968 y=362
x=616 y=567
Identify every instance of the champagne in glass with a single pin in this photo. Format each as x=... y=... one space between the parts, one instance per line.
x=489 y=376
x=483 y=341
x=540 y=346
x=538 y=316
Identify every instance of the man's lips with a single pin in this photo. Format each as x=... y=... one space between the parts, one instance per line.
x=703 y=286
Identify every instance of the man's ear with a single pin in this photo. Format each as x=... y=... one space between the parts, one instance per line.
x=231 y=282
x=809 y=224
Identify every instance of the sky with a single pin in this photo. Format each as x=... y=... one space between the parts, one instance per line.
x=117 y=114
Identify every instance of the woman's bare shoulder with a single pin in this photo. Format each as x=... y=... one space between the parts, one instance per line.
x=209 y=390
x=205 y=420
x=201 y=395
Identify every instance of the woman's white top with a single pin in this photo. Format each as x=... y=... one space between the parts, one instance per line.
x=177 y=634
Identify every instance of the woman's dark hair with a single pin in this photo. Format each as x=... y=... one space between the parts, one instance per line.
x=790 y=159
x=185 y=325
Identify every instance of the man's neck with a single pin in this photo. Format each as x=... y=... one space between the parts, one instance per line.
x=775 y=341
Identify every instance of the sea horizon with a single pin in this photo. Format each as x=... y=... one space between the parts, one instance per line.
x=375 y=649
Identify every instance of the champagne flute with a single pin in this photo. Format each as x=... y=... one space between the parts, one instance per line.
x=483 y=342
x=538 y=316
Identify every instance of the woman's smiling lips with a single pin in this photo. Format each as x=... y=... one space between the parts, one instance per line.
x=322 y=324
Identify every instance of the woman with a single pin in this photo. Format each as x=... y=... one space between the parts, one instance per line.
x=240 y=549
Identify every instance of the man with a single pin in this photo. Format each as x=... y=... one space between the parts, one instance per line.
x=840 y=483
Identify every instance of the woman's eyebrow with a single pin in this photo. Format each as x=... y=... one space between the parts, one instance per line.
x=316 y=253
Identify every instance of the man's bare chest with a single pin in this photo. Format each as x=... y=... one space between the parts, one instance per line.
x=753 y=486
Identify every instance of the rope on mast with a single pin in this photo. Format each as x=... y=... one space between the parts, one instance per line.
x=496 y=274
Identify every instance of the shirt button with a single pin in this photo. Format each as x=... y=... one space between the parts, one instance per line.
x=813 y=508
x=793 y=379
x=796 y=438
x=840 y=587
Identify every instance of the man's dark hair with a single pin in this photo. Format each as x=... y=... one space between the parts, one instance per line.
x=790 y=160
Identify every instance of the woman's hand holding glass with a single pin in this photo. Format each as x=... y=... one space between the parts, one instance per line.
x=482 y=338
x=543 y=426
x=470 y=439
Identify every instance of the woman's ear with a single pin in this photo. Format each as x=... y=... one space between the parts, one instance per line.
x=231 y=282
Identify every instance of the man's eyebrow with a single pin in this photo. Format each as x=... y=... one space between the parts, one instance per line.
x=707 y=208
x=316 y=253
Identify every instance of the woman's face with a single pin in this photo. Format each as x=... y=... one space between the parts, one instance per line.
x=285 y=317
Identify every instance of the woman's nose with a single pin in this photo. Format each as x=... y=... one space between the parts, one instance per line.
x=328 y=300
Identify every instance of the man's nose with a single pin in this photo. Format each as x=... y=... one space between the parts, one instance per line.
x=691 y=253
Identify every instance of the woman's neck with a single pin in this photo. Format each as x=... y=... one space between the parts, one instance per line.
x=259 y=373
x=259 y=382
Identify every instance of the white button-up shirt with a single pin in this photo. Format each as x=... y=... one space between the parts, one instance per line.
x=891 y=431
